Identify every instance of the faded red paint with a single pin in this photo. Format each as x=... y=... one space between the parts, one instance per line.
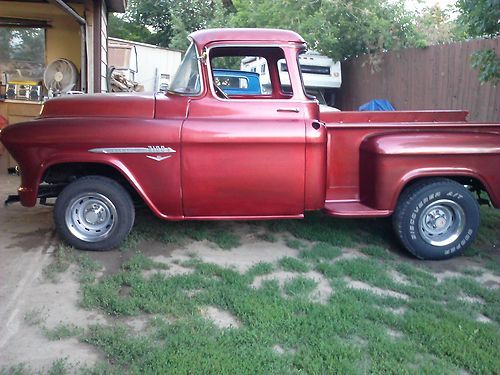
x=254 y=158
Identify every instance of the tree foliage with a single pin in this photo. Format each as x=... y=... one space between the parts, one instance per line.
x=435 y=25
x=128 y=30
x=480 y=18
x=338 y=28
x=167 y=23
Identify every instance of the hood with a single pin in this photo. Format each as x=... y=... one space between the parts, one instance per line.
x=125 y=105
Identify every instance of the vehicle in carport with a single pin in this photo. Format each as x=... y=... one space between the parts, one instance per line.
x=199 y=153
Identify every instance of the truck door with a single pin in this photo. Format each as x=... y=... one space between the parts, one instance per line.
x=243 y=157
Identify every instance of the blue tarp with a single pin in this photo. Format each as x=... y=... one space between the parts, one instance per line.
x=377 y=105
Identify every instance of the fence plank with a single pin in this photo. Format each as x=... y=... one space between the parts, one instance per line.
x=436 y=77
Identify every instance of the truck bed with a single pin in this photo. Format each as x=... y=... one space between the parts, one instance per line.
x=348 y=169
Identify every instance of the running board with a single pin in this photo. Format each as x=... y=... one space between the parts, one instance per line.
x=353 y=209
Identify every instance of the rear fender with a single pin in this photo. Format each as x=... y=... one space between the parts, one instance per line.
x=389 y=162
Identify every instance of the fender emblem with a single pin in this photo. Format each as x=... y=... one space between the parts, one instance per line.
x=158 y=157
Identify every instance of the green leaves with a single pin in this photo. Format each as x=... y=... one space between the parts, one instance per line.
x=480 y=19
x=488 y=64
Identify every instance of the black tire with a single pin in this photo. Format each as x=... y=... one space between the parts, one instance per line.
x=436 y=218
x=94 y=213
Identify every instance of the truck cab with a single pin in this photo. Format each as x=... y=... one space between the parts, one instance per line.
x=249 y=155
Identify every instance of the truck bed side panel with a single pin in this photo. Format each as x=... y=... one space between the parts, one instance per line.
x=344 y=141
x=389 y=161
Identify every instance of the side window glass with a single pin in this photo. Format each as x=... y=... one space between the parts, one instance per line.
x=285 y=84
x=233 y=77
x=249 y=72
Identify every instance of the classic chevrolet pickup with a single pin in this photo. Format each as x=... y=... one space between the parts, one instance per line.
x=197 y=153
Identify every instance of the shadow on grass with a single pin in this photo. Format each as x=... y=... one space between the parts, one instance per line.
x=373 y=237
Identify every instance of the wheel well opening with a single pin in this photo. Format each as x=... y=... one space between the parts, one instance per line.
x=63 y=174
x=472 y=183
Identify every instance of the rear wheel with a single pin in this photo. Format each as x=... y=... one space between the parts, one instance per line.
x=436 y=219
x=94 y=213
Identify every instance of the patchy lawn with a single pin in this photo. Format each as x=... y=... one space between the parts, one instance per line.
x=320 y=295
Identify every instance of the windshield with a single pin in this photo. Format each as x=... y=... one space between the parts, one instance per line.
x=187 y=78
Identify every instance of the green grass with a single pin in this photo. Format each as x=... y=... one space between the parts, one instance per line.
x=35 y=317
x=348 y=333
x=378 y=252
x=59 y=367
x=438 y=332
x=299 y=286
x=259 y=269
x=485 y=247
x=64 y=257
x=294 y=243
x=336 y=232
x=148 y=227
x=140 y=262
x=62 y=331
x=293 y=265
x=267 y=237
x=19 y=369
x=321 y=251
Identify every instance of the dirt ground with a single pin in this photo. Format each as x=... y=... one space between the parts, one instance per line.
x=27 y=240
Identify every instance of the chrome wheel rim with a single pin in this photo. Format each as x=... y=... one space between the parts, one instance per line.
x=91 y=217
x=442 y=222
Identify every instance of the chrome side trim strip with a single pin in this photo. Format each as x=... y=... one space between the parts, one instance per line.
x=133 y=150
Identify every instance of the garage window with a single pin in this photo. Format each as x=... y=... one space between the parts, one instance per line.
x=22 y=53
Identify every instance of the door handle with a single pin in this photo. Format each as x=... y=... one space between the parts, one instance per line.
x=295 y=110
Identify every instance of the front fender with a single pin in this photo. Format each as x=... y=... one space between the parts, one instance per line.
x=388 y=162
x=40 y=144
x=31 y=178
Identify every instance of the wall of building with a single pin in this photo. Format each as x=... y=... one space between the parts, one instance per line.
x=434 y=78
x=152 y=61
x=62 y=39
x=155 y=61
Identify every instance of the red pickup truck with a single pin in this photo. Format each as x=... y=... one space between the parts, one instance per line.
x=196 y=153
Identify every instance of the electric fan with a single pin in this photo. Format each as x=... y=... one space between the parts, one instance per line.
x=60 y=76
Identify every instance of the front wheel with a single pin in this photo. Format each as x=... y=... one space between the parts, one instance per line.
x=436 y=219
x=94 y=213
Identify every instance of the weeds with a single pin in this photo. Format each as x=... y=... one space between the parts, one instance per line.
x=293 y=265
x=35 y=317
x=140 y=262
x=378 y=252
x=62 y=331
x=320 y=251
x=64 y=257
x=59 y=367
x=149 y=227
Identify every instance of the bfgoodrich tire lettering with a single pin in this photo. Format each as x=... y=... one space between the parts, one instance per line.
x=94 y=213
x=436 y=219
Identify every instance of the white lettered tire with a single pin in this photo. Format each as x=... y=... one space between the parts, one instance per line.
x=436 y=218
x=94 y=213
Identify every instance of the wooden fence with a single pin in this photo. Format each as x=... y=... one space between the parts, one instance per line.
x=436 y=77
